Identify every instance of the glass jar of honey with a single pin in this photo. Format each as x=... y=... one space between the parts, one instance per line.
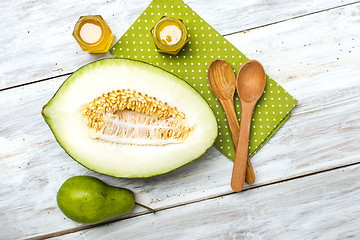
x=169 y=35
x=93 y=34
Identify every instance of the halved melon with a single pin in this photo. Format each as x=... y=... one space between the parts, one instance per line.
x=129 y=119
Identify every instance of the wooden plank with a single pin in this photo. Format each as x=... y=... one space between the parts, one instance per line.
x=322 y=133
x=315 y=61
x=323 y=206
x=38 y=43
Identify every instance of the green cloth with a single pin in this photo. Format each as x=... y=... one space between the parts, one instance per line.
x=191 y=65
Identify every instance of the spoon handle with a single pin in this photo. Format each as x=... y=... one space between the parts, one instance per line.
x=231 y=118
x=228 y=106
x=241 y=155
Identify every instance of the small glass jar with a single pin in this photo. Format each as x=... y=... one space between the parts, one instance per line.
x=93 y=34
x=169 y=35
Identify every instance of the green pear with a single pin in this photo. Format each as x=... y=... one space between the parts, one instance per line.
x=86 y=199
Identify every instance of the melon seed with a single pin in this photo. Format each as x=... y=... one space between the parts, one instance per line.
x=130 y=117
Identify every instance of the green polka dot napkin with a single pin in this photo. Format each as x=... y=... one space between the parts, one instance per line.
x=191 y=65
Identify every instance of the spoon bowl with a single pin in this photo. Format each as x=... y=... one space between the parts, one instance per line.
x=250 y=84
x=251 y=81
x=221 y=79
x=222 y=82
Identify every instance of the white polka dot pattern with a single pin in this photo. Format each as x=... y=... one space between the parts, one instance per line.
x=191 y=65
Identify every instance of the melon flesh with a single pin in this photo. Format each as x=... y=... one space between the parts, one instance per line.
x=111 y=153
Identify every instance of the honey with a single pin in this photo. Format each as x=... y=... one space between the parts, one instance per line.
x=169 y=35
x=93 y=34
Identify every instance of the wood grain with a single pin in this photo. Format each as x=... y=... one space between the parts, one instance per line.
x=323 y=206
x=314 y=57
x=228 y=106
x=221 y=79
x=250 y=86
x=242 y=148
x=37 y=43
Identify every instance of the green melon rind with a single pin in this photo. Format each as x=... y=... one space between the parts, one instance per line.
x=68 y=82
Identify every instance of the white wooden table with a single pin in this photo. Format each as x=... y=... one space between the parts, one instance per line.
x=307 y=176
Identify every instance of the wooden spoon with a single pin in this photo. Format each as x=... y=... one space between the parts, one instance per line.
x=250 y=84
x=221 y=80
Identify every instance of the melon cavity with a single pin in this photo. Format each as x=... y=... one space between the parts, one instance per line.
x=129 y=119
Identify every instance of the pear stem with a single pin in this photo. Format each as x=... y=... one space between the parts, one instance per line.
x=148 y=208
